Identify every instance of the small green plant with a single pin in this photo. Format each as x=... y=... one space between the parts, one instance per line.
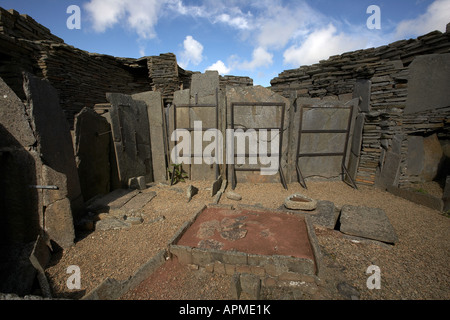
x=178 y=174
x=423 y=191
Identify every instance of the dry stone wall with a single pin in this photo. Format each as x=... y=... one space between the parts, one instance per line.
x=81 y=78
x=380 y=77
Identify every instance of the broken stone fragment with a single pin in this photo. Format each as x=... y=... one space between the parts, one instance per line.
x=137 y=183
x=234 y=196
x=215 y=188
x=191 y=191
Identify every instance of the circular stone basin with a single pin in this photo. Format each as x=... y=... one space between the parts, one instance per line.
x=300 y=202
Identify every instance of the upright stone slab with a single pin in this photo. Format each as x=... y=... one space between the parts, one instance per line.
x=181 y=97
x=92 y=148
x=432 y=157
x=429 y=76
x=353 y=161
x=21 y=210
x=424 y=157
x=54 y=142
x=21 y=214
x=446 y=196
x=390 y=172
x=362 y=91
x=203 y=91
x=155 y=112
x=247 y=117
x=323 y=115
x=131 y=136
x=14 y=119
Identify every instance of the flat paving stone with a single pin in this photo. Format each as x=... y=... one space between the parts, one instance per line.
x=371 y=223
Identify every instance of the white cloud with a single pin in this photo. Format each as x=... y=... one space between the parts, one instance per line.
x=105 y=14
x=260 y=58
x=321 y=44
x=177 y=6
x=143 y=16
x=139 y=15
x=436 y=18
x=192 y=53
x=279 y=23
x=220 y=67
x=240 y=23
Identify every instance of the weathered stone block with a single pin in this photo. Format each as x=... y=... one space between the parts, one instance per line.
x=429 y=76
x=259 y=271
x=56 y=148
x=184 y=254
x=59 y=223
x=325 y=214
x=230 y=268
x=13 y=118
x=219 y=267
x=235 y=258
x=201 y=257
x=243 y=269
x=258 y=260
x=251 y=286
x=371 y=223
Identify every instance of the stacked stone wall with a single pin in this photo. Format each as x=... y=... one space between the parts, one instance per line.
x=386 y=72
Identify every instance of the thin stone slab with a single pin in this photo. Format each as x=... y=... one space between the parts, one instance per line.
x=446 y=196
x=203 y=91
x=155 y=111
x=135 y=204
x=323 y=115
x=390 y=172
x=113 y=200
x=14 y=119
x=113 y=223
x=54 y=143
x=39 y=258
x=131 y=136
x=414 y=158
x=92 y=147
x=370 y=223
x=216 y=186
x=254 y=117
x=52 y=131
x=429 y=76
x=362 y=91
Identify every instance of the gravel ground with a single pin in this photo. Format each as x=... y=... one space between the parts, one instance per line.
x=417 y=267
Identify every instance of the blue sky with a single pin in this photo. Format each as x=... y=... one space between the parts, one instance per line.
x=258 y=39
